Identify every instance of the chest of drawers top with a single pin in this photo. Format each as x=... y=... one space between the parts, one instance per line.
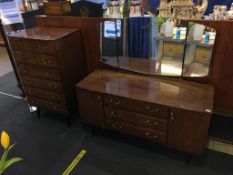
x=165 y=92
x=43 y=33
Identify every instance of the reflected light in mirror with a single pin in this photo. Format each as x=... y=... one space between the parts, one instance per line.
x=169 y=69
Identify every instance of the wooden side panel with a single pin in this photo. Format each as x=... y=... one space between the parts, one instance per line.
x=188 y=130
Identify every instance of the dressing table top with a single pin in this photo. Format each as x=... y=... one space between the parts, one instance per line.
x=175 y=93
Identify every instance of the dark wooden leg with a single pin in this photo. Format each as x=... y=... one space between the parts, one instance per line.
x=188 y=158
x=69 y=120
x=93 y=131
x=38 y=112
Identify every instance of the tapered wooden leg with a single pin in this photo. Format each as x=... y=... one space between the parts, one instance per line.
x=188 y=159
x=69 y=120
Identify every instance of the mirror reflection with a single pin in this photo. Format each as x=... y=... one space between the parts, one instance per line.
x=199 y=49
x=108 y=42
x=157 y=46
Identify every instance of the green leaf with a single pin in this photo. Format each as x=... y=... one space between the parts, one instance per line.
x=12 y=161
x=5 y=154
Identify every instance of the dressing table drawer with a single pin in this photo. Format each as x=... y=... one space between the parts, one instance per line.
x=43 y=84
x=46 y=95
x=47 y=105
x=50 y=74
x=137 y=106
x=149 y=134
x=37 y=59
x=136 y=118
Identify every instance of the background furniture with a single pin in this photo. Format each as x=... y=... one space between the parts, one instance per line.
x=175 y=113
x=50 y=61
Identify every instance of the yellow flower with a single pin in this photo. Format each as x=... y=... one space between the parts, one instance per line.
x=5 y=140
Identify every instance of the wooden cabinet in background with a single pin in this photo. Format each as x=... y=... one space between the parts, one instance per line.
x=50 y=62
x=175 y=113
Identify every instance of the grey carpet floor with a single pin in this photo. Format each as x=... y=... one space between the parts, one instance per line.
x=48 y=147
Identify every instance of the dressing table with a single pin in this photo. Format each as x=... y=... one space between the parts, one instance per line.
x=145 y=96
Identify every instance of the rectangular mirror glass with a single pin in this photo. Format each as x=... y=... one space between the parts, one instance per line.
x=199 y=49
x=109 y=32
x=149 y=45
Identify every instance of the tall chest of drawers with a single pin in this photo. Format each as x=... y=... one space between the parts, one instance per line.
x=173 y=113
x=50 y=61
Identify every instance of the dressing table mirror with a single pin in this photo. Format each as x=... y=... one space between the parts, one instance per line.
x=157 y=46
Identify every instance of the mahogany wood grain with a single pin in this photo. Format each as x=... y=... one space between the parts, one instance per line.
x=187 y=130
x=88 y=27
x=179 y=93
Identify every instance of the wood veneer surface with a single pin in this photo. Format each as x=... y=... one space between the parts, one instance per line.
x=44 y=33
x=173 y=93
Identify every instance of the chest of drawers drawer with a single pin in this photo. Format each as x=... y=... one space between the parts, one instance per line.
x=36 y=59
x=45 y=73
x=46 y=95
x=20 y=44
x=42 y=84
x=33 y=45
x=47 y=105
x=136 y=118
x=149 y=134
x=137 y=106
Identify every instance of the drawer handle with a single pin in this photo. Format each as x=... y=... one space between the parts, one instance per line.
x=152 y=109
x=57 y=108
x=153 y=136
x=47 y=74
x=46 y=61
x=52 y=86
x=30 y=92
x=115 y=103
x=116 y=126
x=115 y=114
x=152 y=123
x=42 y=46
x=172 y=116
x=24 y=70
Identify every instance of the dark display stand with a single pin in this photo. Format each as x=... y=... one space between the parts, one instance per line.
x=86 y=9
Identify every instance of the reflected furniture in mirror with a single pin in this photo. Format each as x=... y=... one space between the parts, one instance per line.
x=145 y=45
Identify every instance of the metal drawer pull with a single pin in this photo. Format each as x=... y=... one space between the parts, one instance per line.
x=52 y=86
x=154 y=136
x=115 y=114
x=46 y=61
x=152 y=109
x=57 y=108
x=42 y=46
x=172 y=116
x=31 y=92
x=115 y=103
x=152 y=123
x=99 y=97
x=115 y=126
x=49 y=74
